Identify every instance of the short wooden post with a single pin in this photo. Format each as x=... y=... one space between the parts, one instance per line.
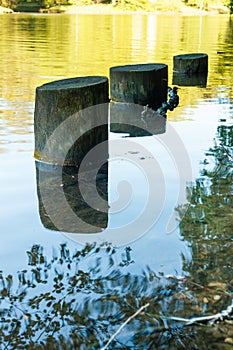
x=143 y=84
x=59 y=138
x=194 y=63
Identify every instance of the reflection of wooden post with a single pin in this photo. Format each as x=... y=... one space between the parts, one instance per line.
x=189 y=80
x=144 y=84
x=65 y=208
x=130 y=118
x=194 y=63
x=55 y=130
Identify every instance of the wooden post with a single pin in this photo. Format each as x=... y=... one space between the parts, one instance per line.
x=194 y=63
x=61 y=138
x=143 y=84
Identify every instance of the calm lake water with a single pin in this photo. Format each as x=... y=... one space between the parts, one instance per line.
x=36 y=49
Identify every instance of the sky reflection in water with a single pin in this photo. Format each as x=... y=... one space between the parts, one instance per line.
x=195 y=120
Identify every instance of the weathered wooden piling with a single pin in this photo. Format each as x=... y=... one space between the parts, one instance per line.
x=144 y=84
x=194 y=63
x=63 y=133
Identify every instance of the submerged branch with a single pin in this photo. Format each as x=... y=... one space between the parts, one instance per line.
x=220 y=316
x=211 y=319
x=124 y=324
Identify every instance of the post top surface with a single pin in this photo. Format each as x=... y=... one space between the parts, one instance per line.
x=71 y=83
x=191 y=55
x=139 y=67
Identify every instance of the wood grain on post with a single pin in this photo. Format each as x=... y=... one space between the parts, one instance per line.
x=194 y=63
x=55 y=103
x=143 y=84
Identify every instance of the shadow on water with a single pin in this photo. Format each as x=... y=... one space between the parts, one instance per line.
x=80 y=299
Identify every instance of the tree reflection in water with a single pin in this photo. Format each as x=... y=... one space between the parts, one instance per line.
x=79 y=300
x=208 y=223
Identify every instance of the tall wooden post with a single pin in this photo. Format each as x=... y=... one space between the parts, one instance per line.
x=65 y=130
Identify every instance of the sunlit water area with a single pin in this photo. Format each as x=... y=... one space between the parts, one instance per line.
x=175 y=218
